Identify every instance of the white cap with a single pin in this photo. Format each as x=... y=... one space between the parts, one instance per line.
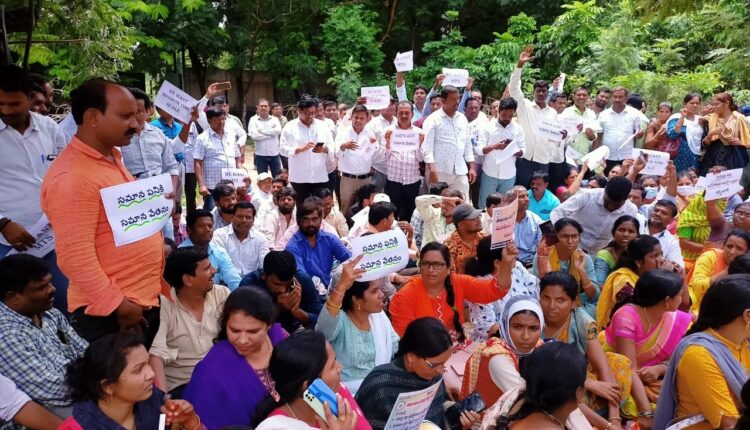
x=263 y=176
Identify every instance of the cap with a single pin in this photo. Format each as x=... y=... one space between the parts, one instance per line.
x=464 y=212
x=263 y=176
x=380 y=197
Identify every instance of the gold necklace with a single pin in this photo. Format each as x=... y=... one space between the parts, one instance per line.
x=553 y=419
x=648 y=319
x=292 y=411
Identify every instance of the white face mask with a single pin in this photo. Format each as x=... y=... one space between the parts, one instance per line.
x=686 y=190
x=650 y=192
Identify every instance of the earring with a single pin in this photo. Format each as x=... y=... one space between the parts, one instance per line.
x=747 y=326
x=359 y=308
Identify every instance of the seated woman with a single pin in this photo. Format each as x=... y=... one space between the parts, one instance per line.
x=624 y=230
x=695 y=224
x=549 y=398
x=439 y=294
x=646 y=329
x=643 y=254
x=714 y=263
x=295 y=364
x=572 y=182
x=485 y=319
x=231 y=381
x=608 y=381
x=112 y=386
x=704 y=380
x=566 y=256
x=361 y=335
x=422 y=353
x=493 y=367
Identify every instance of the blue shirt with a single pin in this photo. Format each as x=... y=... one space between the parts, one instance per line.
x=527 y=235
x=318 y=261
x=170 y=132
x=226 y=273
x=544 y=206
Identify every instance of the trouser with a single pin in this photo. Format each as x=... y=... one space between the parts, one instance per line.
x=493 y=185
x=557 y=174
x=190 y=184
x=403 y=196
x=526 y=168
x=92 y=328
x=306 y=189
x=208 y=201
x=59 y=280
x=456 y=182
x=180 y=185
x=334 y=184
x=379 y=179
x=349 y=187
x=264 y=163
x=284 y=162
x=474 y=188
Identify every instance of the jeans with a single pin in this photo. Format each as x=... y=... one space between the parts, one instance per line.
x=190 y=184
x=208 y=201
x=264 y=163
x=59 y=280
x=493 y=185
x=305 y=190
x=403 y=196
x=379 y=179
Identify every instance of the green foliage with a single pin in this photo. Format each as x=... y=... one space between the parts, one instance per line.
x=567 y=40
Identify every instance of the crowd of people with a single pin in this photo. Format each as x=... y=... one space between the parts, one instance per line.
x=622 y=301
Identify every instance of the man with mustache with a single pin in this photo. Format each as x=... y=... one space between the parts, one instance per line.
x=29 y=143
x=225 y=196
x=112 y=288
x=281 y=218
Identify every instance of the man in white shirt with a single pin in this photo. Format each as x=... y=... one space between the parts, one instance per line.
x=539 y=152
x=447 y=149
x=245 y=247
x=355 y=149
x=265 y=129
x=621 y=125
x=477 y=122
x=29 y=143
x=214 y=150
x=499 y=168
x=308 y=144
x=378 y=125
x=602 y=100
x=280 y=218
x=582 y=140
x=17 y=407
x=662 y=215
x=262 y=194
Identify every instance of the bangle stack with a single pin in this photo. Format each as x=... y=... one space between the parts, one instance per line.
x=329 y=303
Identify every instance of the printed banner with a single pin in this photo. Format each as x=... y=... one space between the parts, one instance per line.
x=411 y=408
x=550 y=130
x=656 y=162
x=237 y=176
x=503 y=224
x=384 y=253
x=45 y=239
x=175 y=102
x=457 y=77
x=404 y=140
x=404 y=61
x=721 y=185
x=377 y=97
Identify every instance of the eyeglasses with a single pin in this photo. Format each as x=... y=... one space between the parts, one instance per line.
x=433 y=366
x=742 y=214
x=432 y=265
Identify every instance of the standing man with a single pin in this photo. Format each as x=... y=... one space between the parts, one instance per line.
x=308 y=143
x=602 y=100
x=446 y=148
x=233 y=127
x=265 y=130
x=378 y=125
x=419 y=97
x=477 y=123
x=356 y=148
x=404 y=179
x=29 y=142
x=112 y=288
x=581 y=142
x=213 y=151
x=173 y=131
x=621 y=126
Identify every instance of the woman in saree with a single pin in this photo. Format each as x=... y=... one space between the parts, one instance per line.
x=728 y=136
x=695 y=224
x=624 y=230
x=703 y=383
x=714 y=263
x=646 y=328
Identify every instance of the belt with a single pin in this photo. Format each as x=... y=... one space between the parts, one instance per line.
x=347 y=175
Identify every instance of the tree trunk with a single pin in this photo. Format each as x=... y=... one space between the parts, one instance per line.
x=199 y=69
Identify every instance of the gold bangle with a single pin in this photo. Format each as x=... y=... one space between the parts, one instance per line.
x=329 y=303
x=616 y=419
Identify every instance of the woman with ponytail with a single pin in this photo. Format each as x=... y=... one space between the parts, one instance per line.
x=440 y=294
x=703 y=384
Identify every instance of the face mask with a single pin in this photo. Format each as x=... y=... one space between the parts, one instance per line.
x=686 y=190
x=650 y=192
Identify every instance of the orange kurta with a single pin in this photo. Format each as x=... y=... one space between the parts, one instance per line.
x=100 y=273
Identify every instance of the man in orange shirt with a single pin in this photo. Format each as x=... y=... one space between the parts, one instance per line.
x=112 y=287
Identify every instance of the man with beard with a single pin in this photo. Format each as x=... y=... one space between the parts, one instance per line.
x=200 y=229
x=662 y=214
x=29 y=143
x=37 y=343
x=225 y=196
x=378 y=126
x=112 y=288
x=356 y=148
x=245 y=247
x=602 y=100
x=526 y=233
x=280 y=218
x=315 y=249
x=462 y=243
x=621 y=127
x=419 y=98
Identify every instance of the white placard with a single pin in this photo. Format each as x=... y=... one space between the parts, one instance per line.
x=595 y=157
x=571 y=123
x=503 y=224
x=411 y=408
x=457 y=77
x=383 y=253
x=404 y=61
x=561 y=84
x=237 y=176
x=550 y=130
x=138 y=209
x=162 y=421
x=722 y=185
x=404 y=140
x=508 y=152
x=656 y=161
x=45 y=239
x=377 y=97
x=572 y=156
x=175 y=102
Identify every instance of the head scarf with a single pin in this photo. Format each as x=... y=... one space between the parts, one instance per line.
x=513 y=306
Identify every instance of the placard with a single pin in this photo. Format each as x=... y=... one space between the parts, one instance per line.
x=411 y=408
x=456 y=77
x=722 y=185
x=377 y=97
x=383 y=253
x=237 y=176
x=45 y=239
x=175 y=102
x=561 y=84
x=571 y=123
x=572 y=156
x=656 y=161
x=594 y=158
x=404 y=61
x=503 y=224
x=550 y=130
x=138 y=209
x=404 y=140
x=508 y=152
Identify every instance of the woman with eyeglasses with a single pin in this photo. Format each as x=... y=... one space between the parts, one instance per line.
x=422 y=353
x=440 y=294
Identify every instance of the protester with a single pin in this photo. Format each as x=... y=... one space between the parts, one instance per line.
x=331 y=213
x=462 y=243
x=438 y=221
x=281 y=218
x=214 y=150
x=245 y=246
x=713 y=264
x=378 y=126
x=541 y=200
x=404 y=179
x=728 y=136
x=657 y=135
x=224 y=197
x=624 y=230
x=18 y=408
x=621 y=126
x=356 y=149
x=588 y=131
x=685 y=126
x=499 y=169
x=663 y=213
x=200 y=234
x=264 y=129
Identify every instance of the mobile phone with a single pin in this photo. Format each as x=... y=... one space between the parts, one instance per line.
x=221 y=86
x=317 y=393
x=473 y=403
x=319 y=144
x=549 y=233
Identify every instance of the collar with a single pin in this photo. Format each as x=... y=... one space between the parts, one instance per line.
x=33 y=125
x=726 y=341
x=212 y=133
x=580 y=112
x=161 y=121
x=78 y=145
x=8 y=312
